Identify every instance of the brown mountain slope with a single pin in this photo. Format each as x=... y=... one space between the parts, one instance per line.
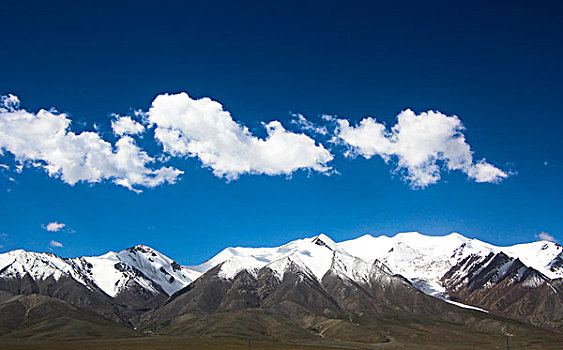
x=507 y=287
x=40 y=317
x=298 y=306
x=125 y=308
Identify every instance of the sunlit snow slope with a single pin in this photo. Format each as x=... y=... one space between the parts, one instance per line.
x=112 y=272
x=422 y=259
x=425 y=259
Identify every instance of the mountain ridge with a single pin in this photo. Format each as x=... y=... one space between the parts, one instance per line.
x=125 y=285
x=141 y=257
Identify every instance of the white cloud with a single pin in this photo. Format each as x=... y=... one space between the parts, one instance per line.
x=126 y=126
x=54 y=226
x=55 y=244
x=545 y=237
x=485 y=172
x=10 y=102
x=43 y=139
x=421 y=144
x=201 y=128
x=307 y=125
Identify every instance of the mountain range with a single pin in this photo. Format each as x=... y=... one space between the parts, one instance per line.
x=365 y=290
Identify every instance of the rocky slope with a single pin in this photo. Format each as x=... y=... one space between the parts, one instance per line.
x=308 y=281
x=120 y=286
x=38 y=317
x=505 y=286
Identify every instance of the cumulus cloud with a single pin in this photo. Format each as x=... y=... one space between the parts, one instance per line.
x=422 y=145
x=544 y=236
x=43 y=140
x=202 y=128
x=54 y=226
x=55 y=244
x=126 y=126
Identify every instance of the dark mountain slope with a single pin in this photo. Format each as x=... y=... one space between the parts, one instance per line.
x=507 y=287
x=40 y=317
x=340 y=306
x=126 y=307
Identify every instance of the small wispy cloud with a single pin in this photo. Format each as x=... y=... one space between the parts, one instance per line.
x=54 y=226
x=306 y=125
x=55 y=244
x=544 y=236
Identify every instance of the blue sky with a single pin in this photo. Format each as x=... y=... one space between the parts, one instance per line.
x=494 y=66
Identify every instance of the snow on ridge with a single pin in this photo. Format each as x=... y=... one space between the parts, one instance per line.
x=425 y=259
x=315 y=253
x=356 y=269
x=103 y=272
x=537 y=255
x=141 y=264
x=111 y=272
x=159 y=268
x=420 y=258
x=231 y=267
x=38 y=266
x=280 y=266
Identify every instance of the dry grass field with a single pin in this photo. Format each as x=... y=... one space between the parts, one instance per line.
x=176 y=343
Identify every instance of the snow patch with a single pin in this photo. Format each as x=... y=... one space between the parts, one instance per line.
x=465 y=306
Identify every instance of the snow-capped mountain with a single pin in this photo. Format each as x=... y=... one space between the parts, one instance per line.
x=141 y=265
x=310 y=282
x=483 y=272
x=128 y=283
x=315 y=254
x=38 y=266
x=112 y=272
x=119 y=285
x=505 y=286
x=424 y=260
x=466 y=272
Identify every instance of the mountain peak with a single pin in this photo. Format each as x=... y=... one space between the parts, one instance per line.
x=324 y=241
x=141 y=248
x=456 y=235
